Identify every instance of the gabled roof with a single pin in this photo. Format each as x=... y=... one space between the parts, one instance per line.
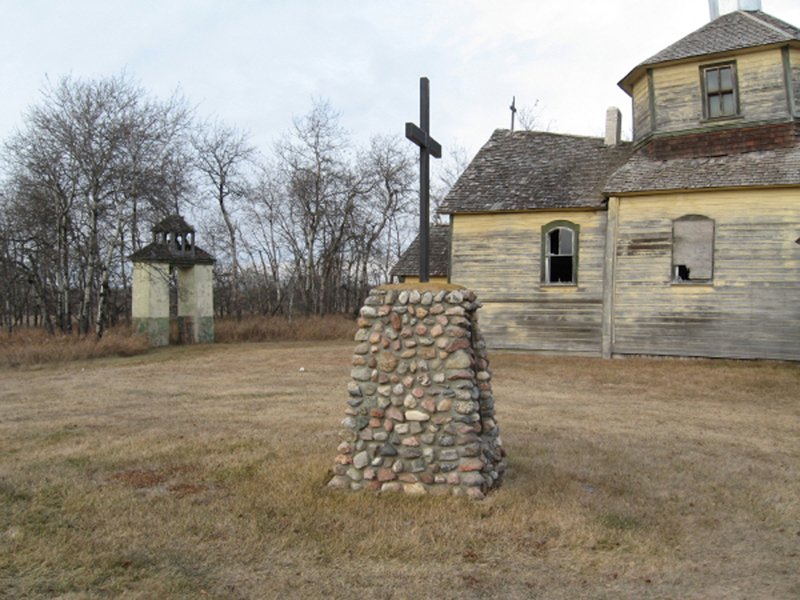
x=438 y=254
x=527 y=170
x=747 y=169
x=730 y=32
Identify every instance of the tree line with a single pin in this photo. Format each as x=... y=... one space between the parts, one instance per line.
x=307 y=227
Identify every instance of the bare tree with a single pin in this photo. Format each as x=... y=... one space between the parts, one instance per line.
x=320 y=190
x=530 y=118
x=388 y=208
x=224 y=157
x=89 y=153
x=446 y=172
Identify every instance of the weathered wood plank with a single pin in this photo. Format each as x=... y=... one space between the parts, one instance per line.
x=641 y=110
x=762 y=95
x=498 y=256
x=794 y=60
x=677 y=91
x=752 y=310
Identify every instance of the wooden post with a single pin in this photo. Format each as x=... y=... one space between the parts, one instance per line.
x=609 y=277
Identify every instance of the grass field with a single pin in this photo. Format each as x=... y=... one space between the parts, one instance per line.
x=199 y=472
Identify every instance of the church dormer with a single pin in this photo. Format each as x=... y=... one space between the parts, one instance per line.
x=732 y=77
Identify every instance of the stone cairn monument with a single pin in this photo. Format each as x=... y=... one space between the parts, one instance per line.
x=420 y=416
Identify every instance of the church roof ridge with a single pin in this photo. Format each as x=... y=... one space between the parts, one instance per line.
x=529 y=170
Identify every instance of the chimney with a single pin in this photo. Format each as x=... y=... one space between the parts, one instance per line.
x=613 y=126
x=713 y=9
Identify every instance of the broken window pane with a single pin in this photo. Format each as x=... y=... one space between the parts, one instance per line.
x=693 y=248
x=560 y=260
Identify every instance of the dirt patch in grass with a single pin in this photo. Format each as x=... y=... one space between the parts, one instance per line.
x=200 y=471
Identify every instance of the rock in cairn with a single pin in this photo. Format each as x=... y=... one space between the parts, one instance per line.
x=420 y=416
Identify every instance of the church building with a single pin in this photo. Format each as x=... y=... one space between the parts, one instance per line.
x=683 y=242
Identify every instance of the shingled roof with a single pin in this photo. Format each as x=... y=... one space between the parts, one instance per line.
x=173 y=223
x=526 y=170
x=438 y=254
x=748 y=169
x=733 y=31
x=162 y=253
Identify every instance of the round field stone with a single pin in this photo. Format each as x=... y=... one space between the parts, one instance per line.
x=457 y=361
x=339 y=482
x=385 y=474
x=472 y=479
x=387 y=362
x=417 y=415
x=473 y=464
x=388 y=450
x=415 y=489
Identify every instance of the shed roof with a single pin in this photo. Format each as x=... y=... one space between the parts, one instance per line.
x=747 y=169
x=526 y=170
x=737 y=30
x=438 y=254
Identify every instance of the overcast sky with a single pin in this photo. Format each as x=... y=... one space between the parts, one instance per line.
x=258 y=64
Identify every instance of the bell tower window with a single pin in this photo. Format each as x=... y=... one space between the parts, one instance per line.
x=719 y=91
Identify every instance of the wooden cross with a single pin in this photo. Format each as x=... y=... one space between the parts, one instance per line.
x=427 y=147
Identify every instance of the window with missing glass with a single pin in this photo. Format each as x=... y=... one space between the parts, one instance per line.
x=560 y=253
x=692 y=249
x=719 y=91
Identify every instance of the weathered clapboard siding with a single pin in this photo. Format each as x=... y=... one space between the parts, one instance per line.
x=752 y=309
x=677 y=98
x=549 y=326
x=431 y=279
x=641 y=110
x=794 y=61
x=678 y=92
x=762 y=87
x=499 y=257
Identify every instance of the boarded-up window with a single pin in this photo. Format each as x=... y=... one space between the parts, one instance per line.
x=693 y=249
x=560 y=253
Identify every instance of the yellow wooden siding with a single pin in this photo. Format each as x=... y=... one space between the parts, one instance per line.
x=677 y=98
x=752 y=310
x=762 y=94
x=762 y=86
x=641 y=109
x=794 y=61
x=432 y=279
x=498 y=256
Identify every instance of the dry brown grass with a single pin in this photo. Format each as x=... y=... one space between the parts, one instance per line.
x=280 y=329
x=33 y=346
x=199 y=471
